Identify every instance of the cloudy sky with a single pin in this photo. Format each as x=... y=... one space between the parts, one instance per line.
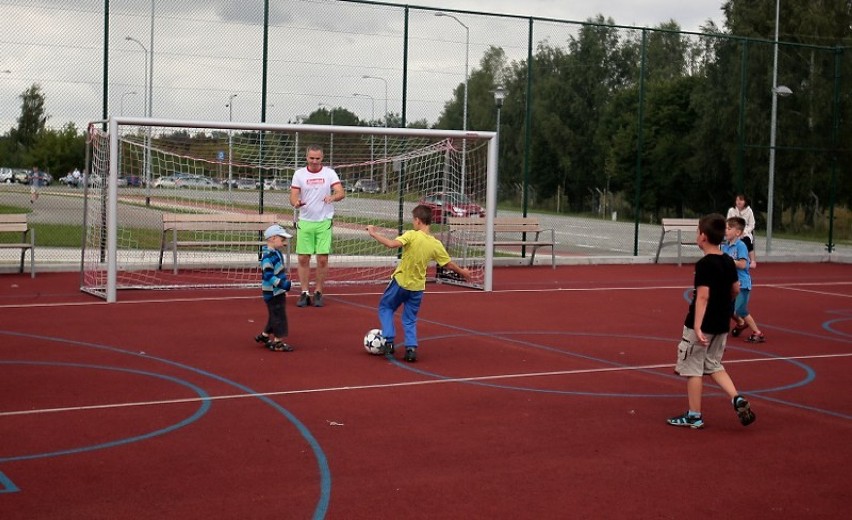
x=319 y=52
x=690 y=14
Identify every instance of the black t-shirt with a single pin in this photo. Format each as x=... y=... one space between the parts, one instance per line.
x=719 y=273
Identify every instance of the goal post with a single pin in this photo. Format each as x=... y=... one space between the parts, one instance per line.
x=141 y=172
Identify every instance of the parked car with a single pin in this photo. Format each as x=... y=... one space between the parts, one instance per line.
x=70 y=180
x=367 y=186
x=21 y=176
x=276 y=184
x=134 y=181
x=7 y=175
x=451 y=204
x=246 y=184
x=197 y=182
x=165 y=181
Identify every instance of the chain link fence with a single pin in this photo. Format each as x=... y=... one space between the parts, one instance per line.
x=604 y=129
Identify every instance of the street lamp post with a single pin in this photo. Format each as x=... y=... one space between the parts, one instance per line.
x=777 y=90
x=464 y=115
x=384 y=163
x=331 y=138
x=299 y=120
x=147 y=86
x=499 y=96
x=372 y=118
x=145 y=69
x=131 y=93
x=230 y=106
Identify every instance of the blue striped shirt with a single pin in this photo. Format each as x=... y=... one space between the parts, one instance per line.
x=274 y=273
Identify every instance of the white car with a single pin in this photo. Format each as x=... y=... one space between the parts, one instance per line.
x=7 y=175
x=275 y=184
x=166 y=181
x=197 y=183
x=245 y=184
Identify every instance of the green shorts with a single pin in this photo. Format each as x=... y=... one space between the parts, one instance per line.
x=313 y=238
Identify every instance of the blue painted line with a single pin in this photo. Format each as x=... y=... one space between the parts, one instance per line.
x=322 y=462
x=829 y=325
x=202 y=409
x=6 y=485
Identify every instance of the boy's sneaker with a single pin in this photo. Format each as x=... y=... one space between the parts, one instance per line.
x=410 y=355
x=262 y=339
x=388 y=348
x=691 y=421
x=304 y=300
x=280 y=346
x=756 y=338
x=743 y=410
x=317 y=299
x=737 y=329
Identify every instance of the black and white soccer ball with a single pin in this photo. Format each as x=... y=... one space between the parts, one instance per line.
x=374 y=342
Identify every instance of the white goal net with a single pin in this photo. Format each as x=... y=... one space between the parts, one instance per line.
x=182 y=205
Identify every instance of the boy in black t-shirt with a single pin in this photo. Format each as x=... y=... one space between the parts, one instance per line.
x=705 y=328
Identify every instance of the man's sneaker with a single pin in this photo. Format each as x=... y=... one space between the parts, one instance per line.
x=738 y=328
x=388 y=348
x=691 y=421
x=756 y=338
x=280 y=346
x=743 y=410
x=317 y=299
x=304 y=300
x=410 y=355
x=262 y=339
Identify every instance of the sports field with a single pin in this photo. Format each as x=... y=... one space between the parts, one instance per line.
x=544 y=399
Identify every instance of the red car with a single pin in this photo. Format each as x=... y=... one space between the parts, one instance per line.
x=451 y=204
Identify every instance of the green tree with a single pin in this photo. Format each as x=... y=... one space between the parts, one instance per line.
x=59 y=151
x=33 y=117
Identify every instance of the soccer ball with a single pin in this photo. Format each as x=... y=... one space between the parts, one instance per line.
x=374 y=342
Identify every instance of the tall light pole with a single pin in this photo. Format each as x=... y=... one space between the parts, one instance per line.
x=331 y=140
x=131 y=93
x=464 y=115
x=145 y=69
x=230 y=106
x=499 y=96
x=372 y=118
x=149 y=87
x=384 y=163
x=777 y=90
x=299 y=120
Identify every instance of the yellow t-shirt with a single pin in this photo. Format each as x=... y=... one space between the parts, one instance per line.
x=418 y=249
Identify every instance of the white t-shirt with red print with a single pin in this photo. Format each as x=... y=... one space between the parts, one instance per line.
x=313 y=188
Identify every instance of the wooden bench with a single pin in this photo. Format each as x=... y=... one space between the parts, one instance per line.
x=17 y=223
x=684 y=230
x=508 y=232
x=183 y=230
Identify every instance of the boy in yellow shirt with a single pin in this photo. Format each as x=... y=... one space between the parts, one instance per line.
x=408 y=281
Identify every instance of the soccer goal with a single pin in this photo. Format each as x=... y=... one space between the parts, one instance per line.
x=181 y=204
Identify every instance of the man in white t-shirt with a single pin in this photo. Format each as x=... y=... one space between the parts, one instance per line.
x=313 y=191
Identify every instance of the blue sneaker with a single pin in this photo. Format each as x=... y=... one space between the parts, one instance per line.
x=692 y=421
